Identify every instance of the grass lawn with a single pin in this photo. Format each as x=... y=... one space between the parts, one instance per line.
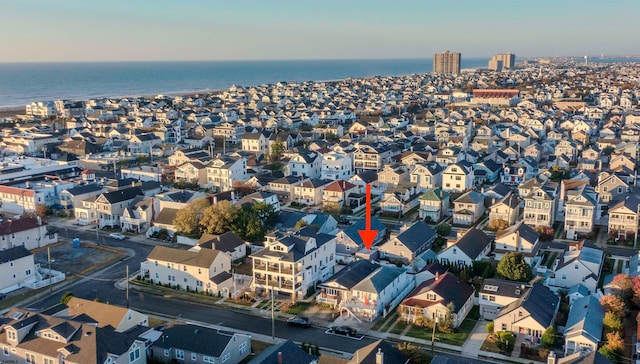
x=385 y=323
x=398 y=328
x=457 y=337
x=298 y=308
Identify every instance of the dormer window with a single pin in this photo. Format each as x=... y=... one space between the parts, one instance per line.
x=12 y=335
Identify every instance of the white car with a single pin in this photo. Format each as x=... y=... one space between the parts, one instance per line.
x=117 y=236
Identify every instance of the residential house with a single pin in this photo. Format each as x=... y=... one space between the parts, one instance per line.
x=339 y=287
x=580 y=211
x=309 y=192
x=228 y=243
x=518 y=238
x=623 y=219
x=72 y=197
x=17 y=268
x=434 y=204
x=399 y=200
x=611 y=187
x=392 y=175
x=486 y=172
x=580 y=264
x=257 y=143
x=457 y=177
x=427 y=176
x=540 y=206
x=378 y=293
x=336 y=166
x=284 y=352
x=283 y=186
x=108 y=206
x=470 y=246
x=121 y=319
x=379 y=351
x=165 y=220
x=409 y=244
x=138 y=215
x=206 y=270
x=198 y=344
x=305 y=164
x=432 y=299
x=143 y=143
x=583 y=331
x=191 y=172
x=506 y=209
x=348 y=240
x=29 y=232
x=468 y=208
x=516 y=174
x=530 y=315
x=261 y=197
x=293 y=263
x=341 y=193
x=224 y=172
x=497 y=293
x=38 y=338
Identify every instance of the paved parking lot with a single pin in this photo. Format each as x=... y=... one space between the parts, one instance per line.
x=69 y=260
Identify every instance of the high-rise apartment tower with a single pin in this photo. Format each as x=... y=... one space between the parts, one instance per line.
x=502 y=61
x=446 y=62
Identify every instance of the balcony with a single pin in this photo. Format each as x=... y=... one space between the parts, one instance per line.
x=132 y=220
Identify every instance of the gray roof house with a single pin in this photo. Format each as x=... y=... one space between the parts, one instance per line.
x=583 y=330
x=410 y=243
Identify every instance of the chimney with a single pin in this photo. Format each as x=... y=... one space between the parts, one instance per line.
x=279 y=357
x=437 y=275
x=379 y=357
x=551 y=359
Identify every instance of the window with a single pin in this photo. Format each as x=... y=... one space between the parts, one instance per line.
x=226 y=357
x=135 y=354
x=30 y=358
x=6 y=351
x=48 y=361
x=564 y=276
x=11 y=335
x=492 y=298
x=504 y=327
x=166 y=352
x=208 y=359
x=194 y=356
x=179 y=354
x=28 y=272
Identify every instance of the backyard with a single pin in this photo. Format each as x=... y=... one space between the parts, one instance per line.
x=457 y=337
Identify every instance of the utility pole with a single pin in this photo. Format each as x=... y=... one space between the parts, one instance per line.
x=273 y=318
x=433 y=334
x=127 y=283
x=50 y=275
x=97 y=225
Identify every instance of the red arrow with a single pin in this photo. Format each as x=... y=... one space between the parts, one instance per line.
x=368 y=235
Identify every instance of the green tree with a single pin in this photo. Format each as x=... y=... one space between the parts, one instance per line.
x=607 y=151
x=187 y=220
x=512 y=266
x=549 y=336
x=277 y=150
x=613 y=304
x=66 y=297
x=217 y=218
x=446 y=325
x=443 y=229
x=247 y=224
x=490 y=327
x=266 y=213
x=612 y=322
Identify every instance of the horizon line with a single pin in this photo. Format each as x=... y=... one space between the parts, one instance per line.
x=302 y=59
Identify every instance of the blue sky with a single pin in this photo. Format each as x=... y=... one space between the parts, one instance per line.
x=115 y=30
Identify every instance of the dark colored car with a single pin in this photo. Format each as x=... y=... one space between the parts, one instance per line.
x=299 y=321
x=344 y=330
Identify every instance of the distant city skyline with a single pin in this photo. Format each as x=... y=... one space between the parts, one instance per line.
x=145 y=30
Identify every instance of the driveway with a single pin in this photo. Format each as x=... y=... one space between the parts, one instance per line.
x=471 y=347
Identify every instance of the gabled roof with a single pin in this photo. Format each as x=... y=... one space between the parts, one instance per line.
x=291 y=353
x=470 y=197
x=585 y=318
x=353 y=274
x=525 y=232
x=505 y=288
x=472 y=243
x=416 y=236
x=11 y=254
x=447 y=286
x=380 y=279
x=80 y=190
x=196 y=339
x=539 y=302
x=122 y=195
x=339 y=186
x=435 y=194
x=202 y=258
x=367 y=354
x=226 y=242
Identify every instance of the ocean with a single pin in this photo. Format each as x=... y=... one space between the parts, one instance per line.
x=23 y=83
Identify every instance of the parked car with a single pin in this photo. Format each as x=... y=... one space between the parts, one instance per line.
x=299 y=321
x=117 y=236
x=344 y=330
